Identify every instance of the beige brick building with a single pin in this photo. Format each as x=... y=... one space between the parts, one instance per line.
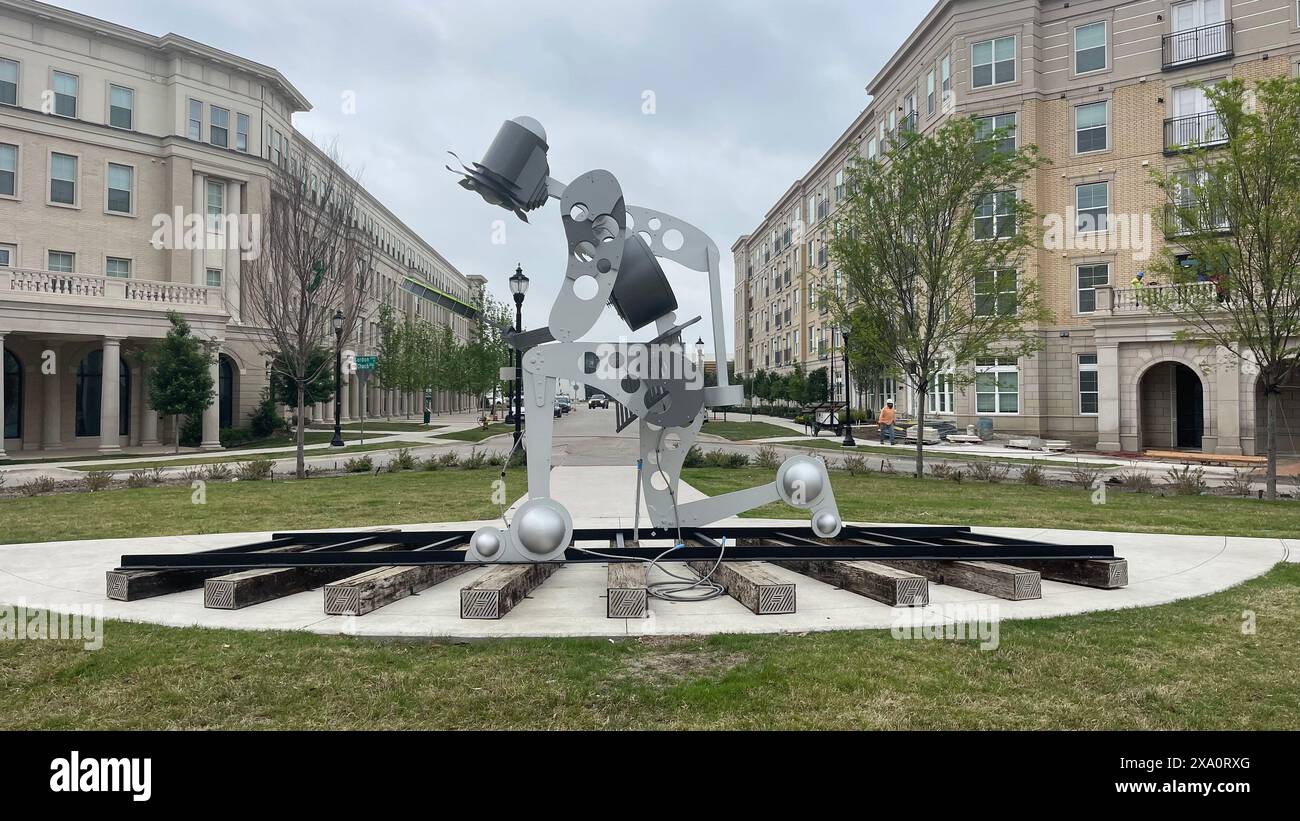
x=108 y=134
x=1107 y=90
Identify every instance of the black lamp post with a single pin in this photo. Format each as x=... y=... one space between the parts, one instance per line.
x=337 y=441
x=849 y=442
x=519 y=287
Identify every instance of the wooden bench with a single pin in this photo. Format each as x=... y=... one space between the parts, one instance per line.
x=1193 y=458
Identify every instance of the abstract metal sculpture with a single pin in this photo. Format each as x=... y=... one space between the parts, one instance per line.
x=613 y=259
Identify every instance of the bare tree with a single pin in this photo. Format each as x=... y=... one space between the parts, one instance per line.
x=314 y=260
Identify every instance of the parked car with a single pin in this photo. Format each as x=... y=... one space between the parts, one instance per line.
x=510 y=416
x=598 y=400
x=565 y=403
x=559 y=409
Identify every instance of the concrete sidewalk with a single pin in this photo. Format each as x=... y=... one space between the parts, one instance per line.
x=67 y=575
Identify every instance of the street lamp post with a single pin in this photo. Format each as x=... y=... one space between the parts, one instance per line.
x=699 y=363
x=337 y=441
x=519 y=287
x=849 y=442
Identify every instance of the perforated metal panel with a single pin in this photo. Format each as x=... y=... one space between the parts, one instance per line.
x=775 y=599
x=342 y=600
x=117 y=586
x=219 y=594
x=627 y=603
x=479 y=604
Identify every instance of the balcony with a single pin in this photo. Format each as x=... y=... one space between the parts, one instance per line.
x=907 y=125
x=1202 y=130
x=1197 y=46
x=49 y=287
x=1176 y=225
x=1171 y=298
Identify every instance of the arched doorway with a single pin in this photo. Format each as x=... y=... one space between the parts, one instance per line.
x=90 y=375
x=1171 y=405
x=13 y=397
x=1288 y=418
x=226 y=391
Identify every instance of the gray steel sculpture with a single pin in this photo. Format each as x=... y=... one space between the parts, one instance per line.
x=614 y=252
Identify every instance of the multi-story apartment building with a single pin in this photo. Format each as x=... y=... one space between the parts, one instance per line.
x=1108 y=91
x=106 y=134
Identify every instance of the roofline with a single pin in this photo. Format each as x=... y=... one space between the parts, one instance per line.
x=167 y=42
x=939 y=7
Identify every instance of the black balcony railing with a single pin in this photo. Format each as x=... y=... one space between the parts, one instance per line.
x=1186 y=218
x=1198 y=45
x=907 y=125
x=1194 y=130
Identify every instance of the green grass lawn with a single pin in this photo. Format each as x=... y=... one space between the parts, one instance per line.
x=310 y=438
x=353 y=501
x=904 y=499
x=1185 y=665
x=479 y=434
x=375 y=424
x=907 y=453
x=741 y=431
x=224 y=456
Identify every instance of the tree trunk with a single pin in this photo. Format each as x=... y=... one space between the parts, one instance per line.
x=1273 y=397
x=300 y=438
x=920 y=432
x=176 y=423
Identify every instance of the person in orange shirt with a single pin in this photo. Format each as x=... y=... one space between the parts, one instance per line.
x=886 y=422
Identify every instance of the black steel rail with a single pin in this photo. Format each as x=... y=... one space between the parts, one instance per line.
x=734 y=544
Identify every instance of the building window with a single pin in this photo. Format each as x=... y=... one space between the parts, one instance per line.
x=1089 y=394
x=8 y=82
x=8 y=170
x=1090 y=48
x=63 y=179
x=214 y=277
x=266 y=143
x=61 y=262
x=1000 y=130
x=1091 y=205
x=1090 y=127
x=941 y=397
x=65 y=94
x=1089 y=277
x=118 y=267
x=194 y=129
x=993 y=62
x=995 y=215
x=241 y=132
x=929 y=92
x=219 y=127
x=8 y=256
x=216 y=201
x=945 y=75
x=995 y=293
x=121 y=180
x=121 y=107
x=997 y=386
x=839 y=185
x=89 y=387
x=276 y=155
x=13 y=406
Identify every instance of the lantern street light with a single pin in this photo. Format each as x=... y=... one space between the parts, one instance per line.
x=519 y=287
x=337 y=441
x=849 y=442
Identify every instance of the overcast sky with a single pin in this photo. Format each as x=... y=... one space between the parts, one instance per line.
x=748 y=95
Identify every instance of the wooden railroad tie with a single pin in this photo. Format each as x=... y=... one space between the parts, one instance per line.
x=501 y=588
x=889 y=585
x=625 y=590
x=751 y=584
x=992 y=578
x=371 y=590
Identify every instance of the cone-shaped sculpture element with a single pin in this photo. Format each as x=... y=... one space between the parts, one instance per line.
x=514 y=170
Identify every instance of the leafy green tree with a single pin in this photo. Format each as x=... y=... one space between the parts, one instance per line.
x=1233 y=214
x=319 y=388
x=926 y=240
x=818 y=385
x=797 y=385
x=180 y=379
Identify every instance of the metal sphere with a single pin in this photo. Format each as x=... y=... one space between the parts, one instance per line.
x=541 y=530
x=802 y=478
x=487 y=543
x=826 y=524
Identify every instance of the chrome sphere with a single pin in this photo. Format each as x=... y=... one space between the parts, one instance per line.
x=487 y=543
x=827 y=524
x=802 y=483
x=541 y=530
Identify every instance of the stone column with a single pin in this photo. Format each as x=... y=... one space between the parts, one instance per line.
x=148 y=416
x=2 y=397
x=1108 y=403
x=198 y=265
x=345 y=401
x=212 y=413
x=232 y=278
x=52 y=406
x=1227 y=402
x=109 y=397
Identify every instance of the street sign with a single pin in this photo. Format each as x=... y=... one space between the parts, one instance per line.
x=366 y=363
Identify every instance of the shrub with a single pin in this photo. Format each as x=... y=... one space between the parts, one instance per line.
x=496 y=459
x=988 y=472
x=402 y=460
x=254 y=470
x=722 y=459
x=694 y=458
x=519 y=459
x=767 y=457
x=97 y=480
x=474 y=461
x=1190 y=481
x=217 y=472
x=855 y=465
x=192 y=474
x=39 y=486
x=234 y=437
x=1136 y=480
x=359 y=464
x=192 y=431
x=942 y=470
x=1034 y=476
x=1084 y=475
x=139 y=479
x=448 y=460
x=1241 y=483
x=429 y=463
x=265 y=419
